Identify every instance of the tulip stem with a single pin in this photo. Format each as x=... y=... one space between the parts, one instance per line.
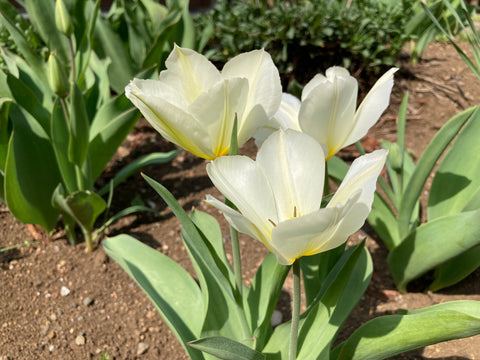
x=237 y=260
x=292 y=355
x=326 y=185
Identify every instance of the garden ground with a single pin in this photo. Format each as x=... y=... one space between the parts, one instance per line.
x=56 y=302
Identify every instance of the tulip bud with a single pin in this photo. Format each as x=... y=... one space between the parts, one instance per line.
x=57 y=76
x=62 y=18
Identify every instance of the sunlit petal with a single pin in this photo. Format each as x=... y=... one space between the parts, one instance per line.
x=294 y=164
x=372 y=107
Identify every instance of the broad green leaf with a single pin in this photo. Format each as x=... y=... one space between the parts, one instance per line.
x=457 y=177
x=169 y=287
x=138 y=164
x=348 y=284
x=425 y=165
x=111 y=125
x=25 y=98
x=83 y=206
x=97 y=84
x=337 y=169
x=456 y=269
x=79 y=127
x=262 y=297
x=387 y=336
x=226 y=349
x=315 y=270
x=31 y=173
x=60 y=134
x=5 y=132
x=433 y=244
x=110 y=45
x=42 y=16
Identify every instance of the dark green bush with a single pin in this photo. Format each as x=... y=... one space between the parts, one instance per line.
x=305 y=37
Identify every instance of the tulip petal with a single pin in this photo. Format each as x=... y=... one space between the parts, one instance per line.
x=372 y=107
x=241 y=181
x=168 y=118
x=307 y=235
x=362 y=176
x=294 y=164
x=327 y=112
x=189 y=72
x=241 y=223
x=287 y=114
x=215 y=111
x=263 y=78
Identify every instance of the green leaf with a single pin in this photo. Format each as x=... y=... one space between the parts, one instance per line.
x=382 y=219
x=42 y=16
x=83 y=206
x=60 y=134
x=337 y=169
x=31 y=172
x=79 y=127
x=138 y=164
x=432 y=244
x=262 y=297
x=456 y=269
x=387 y=336
x=169 y=287
x=111 y=125
x=457 y=177
x=425 y=165
x=226 y=349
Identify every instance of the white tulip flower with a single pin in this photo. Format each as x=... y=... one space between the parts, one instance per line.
x=279 y=195
x=327 y=110
x=194 y=105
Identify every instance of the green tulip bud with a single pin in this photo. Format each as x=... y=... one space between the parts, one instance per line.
x=57 y=76
x=62 y=18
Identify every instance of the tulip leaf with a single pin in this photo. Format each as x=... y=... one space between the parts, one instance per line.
x=83 y=206
x=138 y=164
x=112 y=123
x=60 y=136
x=41 y=13
x=223 y=313
x=456 y=178
x=226 y=349
x=169 y=287
x=263 y=295
x=425 y=165
x=31 y=174
x=433 y=244
x=384 y=222
x=456 y=269
x=337 y=169
x=387 y=336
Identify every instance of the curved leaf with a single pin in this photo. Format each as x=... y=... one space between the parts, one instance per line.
x=226 y=349
x=433 y=244
x=171 y=289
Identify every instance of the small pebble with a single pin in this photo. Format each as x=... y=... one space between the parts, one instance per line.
x=80 y=340
x=64 y=291
x=277 y=318
x=87 y=301
x=74 y=305
x=51 y=348
x=142 y=348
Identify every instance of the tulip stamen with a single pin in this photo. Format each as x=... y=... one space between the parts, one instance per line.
x=271 y=221
x=294 y=212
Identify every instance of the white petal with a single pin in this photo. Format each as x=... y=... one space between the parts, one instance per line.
x=263 y=78
x=362 y=176
x=307 y=235
x=241 y=223
x=189 y=72
x=372 y=107
x=295 y=167
x=318 y=79
x=215 y=111
x=327 y=112
x=170 y=120
x=287 y=114
x=240 y=180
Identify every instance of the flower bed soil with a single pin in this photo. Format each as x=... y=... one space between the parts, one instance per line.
x=56 y=302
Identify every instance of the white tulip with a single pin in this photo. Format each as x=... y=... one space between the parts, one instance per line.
x=194 y=105
x=279 y=195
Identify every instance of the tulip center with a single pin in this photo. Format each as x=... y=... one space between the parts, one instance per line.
x=293 y=217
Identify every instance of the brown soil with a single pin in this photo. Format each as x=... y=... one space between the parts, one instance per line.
x=105 y=312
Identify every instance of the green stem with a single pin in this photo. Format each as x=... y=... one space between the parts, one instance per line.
x=292 y=355
x=326 y=185
x=237 y=260
x=88 y=240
